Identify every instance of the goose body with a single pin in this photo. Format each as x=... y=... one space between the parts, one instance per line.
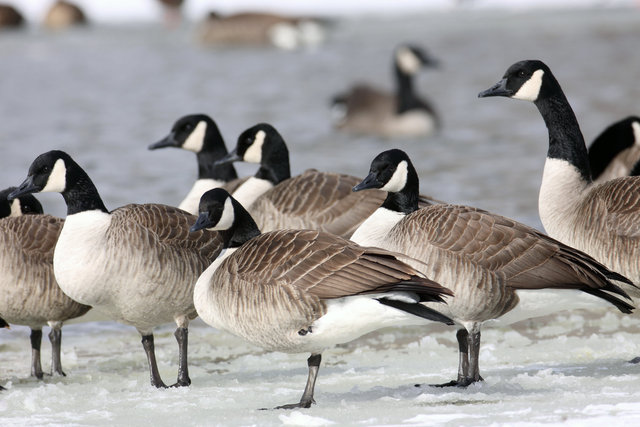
x=200 y=134
x=63 y=14
x=367 y=110
x=137 y=264
x=303 y=290
x=486 y=260
x=601 y=219
x=616 y=151
x=312 y=200
x=30 y=294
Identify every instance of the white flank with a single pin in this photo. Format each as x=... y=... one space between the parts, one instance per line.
x=399 y=178
x=202 y=295
x=560 y=192
x=409 y=124
x=195 y=141
x=16 y=209
x=374 y=230
x=57 y=180
x=530 y=90
x=201 y=186
x=408 y=61
x=250 y=190
x=284 y=36
x=254 y=152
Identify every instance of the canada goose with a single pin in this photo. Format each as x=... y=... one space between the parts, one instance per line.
x=488 y=261
x=137 y=264
x=315 y=200
x=30 y=293
x=10 y=17
x=63 y=14
x=303 y=290
x=602 y=220
x=261 y=29
x=616 y=151
x=370 y=111
x=200 y=134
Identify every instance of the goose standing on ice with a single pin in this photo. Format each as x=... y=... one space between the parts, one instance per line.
x=200 y=134
x=368 y=110
x=314 y=200
x=30 y=294
x=303 y=290
x=137 y=264
x=616 y=151
x=489 y=262
x=602 y=220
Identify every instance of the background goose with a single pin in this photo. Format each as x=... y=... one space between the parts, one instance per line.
x=138 y=264
x=10 y=17
x=602 y=220
x=303 y=290
x=200 y=134
x=314 y=200
x=616 y=151
x=370 y=111
x=487 y=260
x=63 y=14
x=30 y=293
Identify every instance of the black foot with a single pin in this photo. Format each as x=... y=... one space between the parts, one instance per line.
x=635 y=360
x=465 y=382
x=181 y=384
x=2 y=388
x=299 y=405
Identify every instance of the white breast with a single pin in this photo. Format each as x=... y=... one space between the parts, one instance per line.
x=411 y=123
x=201 y=186
x=202 y=295
x=250 y=190
x=374 y=229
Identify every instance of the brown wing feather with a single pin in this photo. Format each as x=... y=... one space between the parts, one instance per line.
x=618 y=202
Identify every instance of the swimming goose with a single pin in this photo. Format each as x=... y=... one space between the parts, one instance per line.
x=315 y=200
x=489 y=262
x=616 y=151
x=63 y=14
x=10 y=17
x=30 y=294
x=303 y=290
x=602 y=220
x=370 y=111
x=200 y=134
x=137 y=264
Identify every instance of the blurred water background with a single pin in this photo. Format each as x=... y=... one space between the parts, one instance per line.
x=105 y=92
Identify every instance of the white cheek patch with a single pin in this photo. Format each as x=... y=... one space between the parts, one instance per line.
x=16 y=209
x=227 y=217
x=530 y=90
x=195 y=141
x=254 y=153
x=408 y=61
x=636 y=132
x=399 y=178
x=57 y=178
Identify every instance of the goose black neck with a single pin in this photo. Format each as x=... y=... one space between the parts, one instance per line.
x=214 y=149
x=565 y=138
x=407 y=98
x=244 y=228
x=274 y=166
x=406 y=200
x=80 y=194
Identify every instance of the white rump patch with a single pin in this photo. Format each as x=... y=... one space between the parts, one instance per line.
x=254 y=153
x=530 y=90
x=195 y=141
x=408 y=61
x=57 y=178
x=399 y=178
x=16 y=208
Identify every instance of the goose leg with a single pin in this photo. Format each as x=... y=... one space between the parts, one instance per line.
x=149 y=349
x=307 y=397
x=181 y=335
x=474 y=357
x=55 y=337
x=36 y=341
x=463 y=362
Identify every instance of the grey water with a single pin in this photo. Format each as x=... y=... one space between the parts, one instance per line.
x=105 y=93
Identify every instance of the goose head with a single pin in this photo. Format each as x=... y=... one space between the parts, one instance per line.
x=409 y=59
x=390 y=171
x=23 y=205
x=216 y=211
x=529 y=80
x=194 y=132
x=49 y=172
x=258 y=144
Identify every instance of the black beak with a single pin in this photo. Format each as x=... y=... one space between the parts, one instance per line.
x=168 y=141
x=371 y=181
x=229 y=158
x=27 y=187
x=201 y=223
x=498 y=89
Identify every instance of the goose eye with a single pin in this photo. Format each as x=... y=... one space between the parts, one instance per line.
x=188 y=127
x=521 y=73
